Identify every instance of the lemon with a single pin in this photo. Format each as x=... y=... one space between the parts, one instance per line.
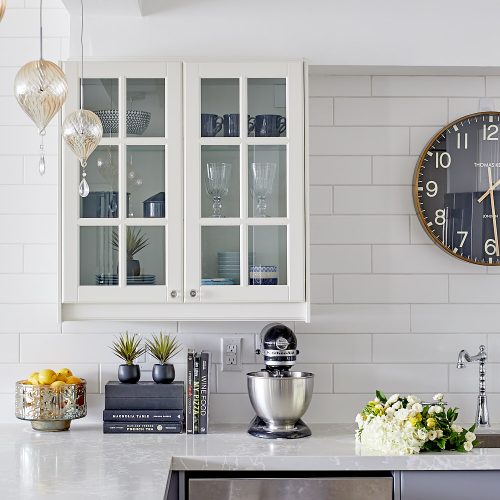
x=73 y=380
x=61 y=377
x=33 y=378
x=66 y=372
x=47 y=376
x=57 y=385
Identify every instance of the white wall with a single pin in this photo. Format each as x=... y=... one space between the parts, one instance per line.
x=388 y=311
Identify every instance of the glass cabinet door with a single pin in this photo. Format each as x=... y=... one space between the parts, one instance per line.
x=125 y=237
x=244 y=183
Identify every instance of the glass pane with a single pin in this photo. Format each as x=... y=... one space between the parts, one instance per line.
x=102 y=176
x=98 y=256
x=267 y=105
x=100 y=95
x=220 y=181
x=145 y=255
x=220 y=107
x=267 y=250
x=220 y=255
x=267 y=183
x=146 y=107
x=146 y=181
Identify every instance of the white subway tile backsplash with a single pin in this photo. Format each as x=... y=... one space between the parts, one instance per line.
x=383 y=111
x=11 y=259
x=18 y=139
x=10 y=348
x=39 y=318
x=321 y=111
x=339 y=170
x=467 y=379
x=40 y=259
x=394 y=170
x=31 y=174
x=493 y=86
x=390 y=288
x=336 y=408
x=427 y=348
x=28 y=288
x=28 y=228
x=117 y=327
x=42 y=199
x=420 y=136
x=25 y=22
x=339 y=348
x=359 y=140
x=417 y=234
x=336 y=85
x=494 y=346
x=27 y=49
x=357 y=318
x=321 y=289
x=405 y=378
x=11 y=167
x=340 y=259
x=7 y=75
x=476 y=289
x=414 y=86
x=230 y=408
x=320 y=200
x=373 y=200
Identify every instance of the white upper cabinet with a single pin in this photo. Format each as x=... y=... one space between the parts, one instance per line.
x=194 y=212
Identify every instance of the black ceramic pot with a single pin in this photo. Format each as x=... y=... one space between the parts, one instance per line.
x=129 y=374
x=133 y=267
x=163 y=374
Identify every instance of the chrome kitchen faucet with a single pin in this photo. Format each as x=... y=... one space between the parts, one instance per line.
x=482 y=416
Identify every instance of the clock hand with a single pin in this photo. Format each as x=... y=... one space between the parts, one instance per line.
x=493 y=212
x=487 y=192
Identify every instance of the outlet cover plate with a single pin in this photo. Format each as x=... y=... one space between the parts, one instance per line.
x=231 y=354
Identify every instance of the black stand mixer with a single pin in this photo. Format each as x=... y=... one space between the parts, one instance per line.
x=280 y=397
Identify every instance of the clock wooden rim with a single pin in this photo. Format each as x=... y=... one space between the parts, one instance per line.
x=416 y=203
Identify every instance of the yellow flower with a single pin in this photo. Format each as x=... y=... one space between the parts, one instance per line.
x=414 y=420
x=431 y=423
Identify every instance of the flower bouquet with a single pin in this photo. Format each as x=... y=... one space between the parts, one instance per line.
x=403 y=425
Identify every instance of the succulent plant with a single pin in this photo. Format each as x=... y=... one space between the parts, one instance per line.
x=136 y=241
x=128 y=347
x=163 y=347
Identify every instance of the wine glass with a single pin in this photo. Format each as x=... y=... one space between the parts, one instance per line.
x=263 y=175
x=216 y=184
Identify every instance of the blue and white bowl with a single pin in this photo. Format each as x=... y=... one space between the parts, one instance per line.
x=263 y=275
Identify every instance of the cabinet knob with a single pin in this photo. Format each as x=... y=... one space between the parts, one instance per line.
x=193 y=293
x=174 y=294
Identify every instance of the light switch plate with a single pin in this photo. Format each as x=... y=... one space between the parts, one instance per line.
x=231 y=354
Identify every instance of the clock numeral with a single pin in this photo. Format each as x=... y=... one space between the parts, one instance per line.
x=464 y=235
x=432 y=189
x=465 y=141
x=489 y=132
x=443 y=160
x=490 y=247
x=439 y=217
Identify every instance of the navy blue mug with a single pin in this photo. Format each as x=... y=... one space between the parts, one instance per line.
x=232 y=125
x=211 y=124
x=269 y=125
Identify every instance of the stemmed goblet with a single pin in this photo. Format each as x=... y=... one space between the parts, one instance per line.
x=263 y=175
x=217 y=185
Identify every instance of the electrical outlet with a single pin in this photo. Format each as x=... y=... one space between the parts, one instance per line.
x=231 y=353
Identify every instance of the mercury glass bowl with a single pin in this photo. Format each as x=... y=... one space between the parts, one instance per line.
x=137 y=121
x=50 y=409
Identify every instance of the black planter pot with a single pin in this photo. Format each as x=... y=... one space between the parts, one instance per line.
x=129 y=374
x=133 y=267
x=163 y=374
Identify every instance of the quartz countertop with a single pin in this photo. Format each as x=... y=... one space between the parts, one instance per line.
x=85 y=463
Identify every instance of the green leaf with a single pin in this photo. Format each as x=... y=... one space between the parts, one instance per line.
x=381 y=396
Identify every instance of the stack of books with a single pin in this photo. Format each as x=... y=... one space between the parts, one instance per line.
x=197 y=392
x=143 y=408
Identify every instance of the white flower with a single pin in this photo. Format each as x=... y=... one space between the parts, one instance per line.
x=422 y=434
x=359 y=420
x=432 y=435
x=456 y=428
x=390 y=412
x=397 y=405
x=468 y=446
x=417 y=407
x=393 y=399
x=470 y=436
x=402 y=414
x=412 y=399
x=377 y=400
x=439 y=433
x=438 y=409
x=432 y=410
x=438 y=397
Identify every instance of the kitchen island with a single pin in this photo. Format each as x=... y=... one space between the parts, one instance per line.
x=84 y=463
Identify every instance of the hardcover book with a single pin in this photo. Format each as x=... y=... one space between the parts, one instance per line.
x=116 y=389
x=143 y=403
x=142 y=427
x=143 y=415
x=196 y=394
x=204 y=390
x=189 y=392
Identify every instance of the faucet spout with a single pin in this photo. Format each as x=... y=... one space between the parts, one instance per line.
x=463 y=356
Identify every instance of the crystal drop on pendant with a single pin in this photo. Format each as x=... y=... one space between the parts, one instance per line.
x=41 y=165
x=84 y=189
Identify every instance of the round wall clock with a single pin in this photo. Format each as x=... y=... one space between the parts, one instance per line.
x=456 y=188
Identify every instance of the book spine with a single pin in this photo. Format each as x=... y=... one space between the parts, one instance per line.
x=196 y=394
x=204 y=390
x=143 y=416
x=143 y=403
x=189 y=393
x=144 y=390
x=141 y=428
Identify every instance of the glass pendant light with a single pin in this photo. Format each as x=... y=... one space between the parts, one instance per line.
x=3 y=5
x=82 y=131
x=40 y=88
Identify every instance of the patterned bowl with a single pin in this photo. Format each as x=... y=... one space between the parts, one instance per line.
x=50 y=409
x=137 y=121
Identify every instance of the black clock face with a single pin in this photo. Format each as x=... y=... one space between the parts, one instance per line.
x=457 y=188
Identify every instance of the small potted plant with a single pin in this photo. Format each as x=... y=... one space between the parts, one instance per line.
x=128 y=347
x=136 y=241
x=163 y=347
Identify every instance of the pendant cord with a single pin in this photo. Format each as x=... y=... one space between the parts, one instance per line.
x=81 y=46
x=41 y=32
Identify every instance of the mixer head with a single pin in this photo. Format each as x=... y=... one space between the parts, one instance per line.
x=278 y=346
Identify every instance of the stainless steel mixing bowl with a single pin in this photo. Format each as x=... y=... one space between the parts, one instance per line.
x=280 y=400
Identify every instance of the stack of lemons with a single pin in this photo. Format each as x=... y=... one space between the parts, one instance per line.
x=56 y=380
